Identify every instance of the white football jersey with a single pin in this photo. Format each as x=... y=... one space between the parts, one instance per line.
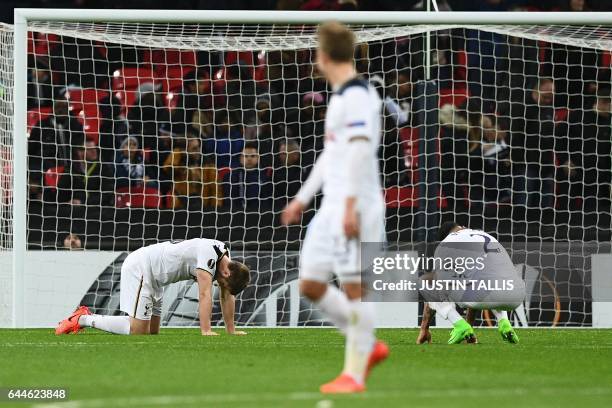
x=176 y=261
x=354 y=110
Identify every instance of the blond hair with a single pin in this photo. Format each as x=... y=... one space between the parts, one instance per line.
x=337 y=41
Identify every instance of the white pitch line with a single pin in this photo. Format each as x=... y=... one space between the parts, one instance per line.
x=175 y=400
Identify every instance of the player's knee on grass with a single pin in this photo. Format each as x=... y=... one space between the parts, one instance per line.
x=313 y=290
x=138 y=326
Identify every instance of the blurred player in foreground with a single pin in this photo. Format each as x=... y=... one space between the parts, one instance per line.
x=146 y=271
x=456 y=242
x=352 y=210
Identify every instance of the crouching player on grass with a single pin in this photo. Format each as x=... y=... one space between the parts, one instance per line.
x=493 y=283
x=352 y=210
x=145 y=273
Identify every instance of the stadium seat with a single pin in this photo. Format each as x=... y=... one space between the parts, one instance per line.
x=52 y=176
x=131 y=78
x=396 y=197
x=36 y=115
x=39 y=44
x=137 y=197
x=86 y=99
x=456 y=95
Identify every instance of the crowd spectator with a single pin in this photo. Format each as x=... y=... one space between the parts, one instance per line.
x=86 y=181
x=248 y=186
x=114 y=128
x=40 y=86
x=532 y=141
x=264 y=130
x=51 y=140
x=72 y=241
x=586 y=164
x=311 y=127
x=490 y=167
x=194 y=176
x=226 y=143
x=130 y=167
x=288 y=175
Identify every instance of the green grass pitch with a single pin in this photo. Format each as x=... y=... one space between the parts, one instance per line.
x=284 y=367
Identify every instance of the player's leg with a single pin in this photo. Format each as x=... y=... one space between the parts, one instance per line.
x=362 y=350
x=462 y=330
x=156 y=317
x=504 y=326
x=316 y=262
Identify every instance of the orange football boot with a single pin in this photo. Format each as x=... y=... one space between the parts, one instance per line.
x=71 y=324
x=379 y=353
x=343 y=384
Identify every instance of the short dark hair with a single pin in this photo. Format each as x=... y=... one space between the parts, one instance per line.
x=239 y=277
x=445 y=229
x=337 y=41
x=251 y=144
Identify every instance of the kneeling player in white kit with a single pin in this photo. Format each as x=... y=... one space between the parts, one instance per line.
x=496 y=267
x=146 y=271
x=352 y=210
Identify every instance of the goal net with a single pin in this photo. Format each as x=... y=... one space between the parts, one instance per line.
x=141 y=133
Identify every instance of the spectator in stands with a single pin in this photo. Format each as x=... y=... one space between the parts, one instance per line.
x=288 y=174
x=311 y=129
x=586 y=164
x=227 y=142
x=72 y=242
x=264 y=130
x=197 y=95
x=40 y=87
x=248 y=187
x=114 y=128
x=87 y=181
x=51 y=140
x=130 y=168
x=147 y=115
x=195 y=178
x=490 y=162
x=532 y=142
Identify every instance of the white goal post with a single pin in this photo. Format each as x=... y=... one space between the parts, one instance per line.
x=374 y=25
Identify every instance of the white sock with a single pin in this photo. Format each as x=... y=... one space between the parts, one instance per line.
x=500 y=314
x=111 y=324
x=336 y=307
x=359 y=340
x=447 y=310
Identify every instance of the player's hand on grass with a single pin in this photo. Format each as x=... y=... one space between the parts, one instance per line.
x=209 y=333
x=292 y=213
x=424 y=337
x=237 y=333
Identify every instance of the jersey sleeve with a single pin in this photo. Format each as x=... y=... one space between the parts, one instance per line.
x=207 y=259
x=357 y=113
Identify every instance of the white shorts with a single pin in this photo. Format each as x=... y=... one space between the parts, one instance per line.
x=326 y=251
x=139 y=298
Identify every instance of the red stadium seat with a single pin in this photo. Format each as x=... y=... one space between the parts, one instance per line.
x=36 y=115
x=86 y=99
x=137 y=197
x=456 y=95
x=131 y=78
x=52 y=176
x=396 y=197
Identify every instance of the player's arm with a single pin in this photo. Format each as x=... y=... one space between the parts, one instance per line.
x=424 y=333
x=358 y=151
x=228 y=307
x=205 y=297
x=359 y=129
